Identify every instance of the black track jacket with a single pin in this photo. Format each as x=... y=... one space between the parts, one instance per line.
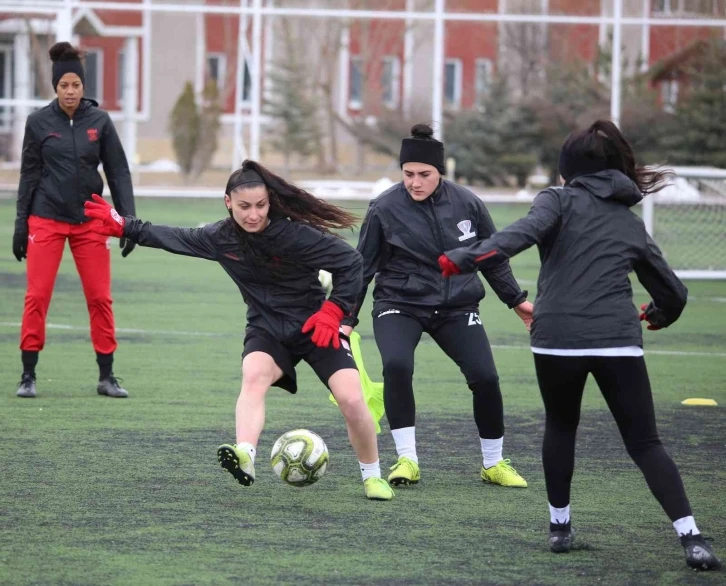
x=401 y=240
x=280 y=282
x=59 y=167
x=589 y=241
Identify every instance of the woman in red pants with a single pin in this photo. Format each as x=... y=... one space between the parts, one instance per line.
x=63 y=145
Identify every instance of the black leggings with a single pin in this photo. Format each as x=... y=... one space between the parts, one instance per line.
x=463 y=339
x=624 y=384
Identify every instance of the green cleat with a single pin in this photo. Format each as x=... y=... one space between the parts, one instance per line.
x=377 y=489
x=405 y=471
x=237 y=462
x=504 y=475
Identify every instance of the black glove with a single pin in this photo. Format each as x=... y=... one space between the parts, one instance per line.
x=20 y=239
x=127 y=246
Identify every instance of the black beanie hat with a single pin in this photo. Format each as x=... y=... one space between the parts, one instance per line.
x=422 y=147
x=66 y=59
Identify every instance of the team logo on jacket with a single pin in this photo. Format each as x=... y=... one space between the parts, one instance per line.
x=92 y=134
x=465 y=227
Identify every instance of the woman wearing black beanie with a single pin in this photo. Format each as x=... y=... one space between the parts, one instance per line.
x=585 y=321
x=405 y=230
x=63 y=145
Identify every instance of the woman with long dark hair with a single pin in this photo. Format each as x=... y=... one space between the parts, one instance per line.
x=405 y=230
x=64 y=144
x=273 y=245
x=585 y=321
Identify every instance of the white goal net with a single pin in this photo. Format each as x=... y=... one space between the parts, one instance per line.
x=688 y=221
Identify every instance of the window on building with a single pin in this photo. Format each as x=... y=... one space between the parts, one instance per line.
x=669 y=94
x=217 y=69
x=390 y=81
x=483 y=78
x=120 y=74
x=452 y=83
x=246 y=84
x=93 y=85
x=355 y=83
x=694 y=7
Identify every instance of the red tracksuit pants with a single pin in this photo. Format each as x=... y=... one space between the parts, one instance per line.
x=91 y=253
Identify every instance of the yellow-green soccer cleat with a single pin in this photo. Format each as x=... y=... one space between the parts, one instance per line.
x=504 y=475
x=405 y=471
x=377 y=489
x=237 y=462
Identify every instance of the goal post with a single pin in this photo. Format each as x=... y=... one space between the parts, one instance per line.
x=688 y=222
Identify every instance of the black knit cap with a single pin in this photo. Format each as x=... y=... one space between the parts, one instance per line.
x=66 y=59
x=422 y=147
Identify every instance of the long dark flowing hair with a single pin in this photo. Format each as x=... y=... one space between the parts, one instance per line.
x=286 y=201
x=290 y=201
x=603 y=141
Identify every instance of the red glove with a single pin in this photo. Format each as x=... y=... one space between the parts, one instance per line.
x=644 y=317
x=326 y=323
x=448 y=267
x=110 y=223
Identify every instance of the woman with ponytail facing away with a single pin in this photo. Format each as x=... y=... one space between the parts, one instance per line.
x=273 y=245
x=585 y=321
x=64 y=144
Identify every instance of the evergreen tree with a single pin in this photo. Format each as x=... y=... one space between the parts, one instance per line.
x=184 y=129
x=294 y=108
x=698 y=133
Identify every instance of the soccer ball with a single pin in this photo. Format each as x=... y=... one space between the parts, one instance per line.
x=299 y=457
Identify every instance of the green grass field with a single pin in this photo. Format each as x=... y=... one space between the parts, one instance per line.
x=101 y=491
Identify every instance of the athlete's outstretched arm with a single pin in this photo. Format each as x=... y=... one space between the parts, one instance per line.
x=525 y=232
x=196 y=242
x=317 y=250
x=373 y=249
x=668 y=292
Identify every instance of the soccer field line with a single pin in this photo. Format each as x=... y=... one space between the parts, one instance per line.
x=69 y=327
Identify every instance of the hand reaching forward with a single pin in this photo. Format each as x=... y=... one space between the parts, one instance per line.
x=525 y=311
x=109 y=222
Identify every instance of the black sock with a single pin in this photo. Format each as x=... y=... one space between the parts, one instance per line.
x=30 y=359
x=105 y=365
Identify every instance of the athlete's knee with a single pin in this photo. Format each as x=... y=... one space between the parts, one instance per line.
x=483 y=381
x=642 y=446
x=397 y=366
x=256 y=378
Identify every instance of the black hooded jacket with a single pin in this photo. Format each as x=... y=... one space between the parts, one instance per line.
x=401 y=240
x=589 y=242
x=277 y=272
x=59 y=167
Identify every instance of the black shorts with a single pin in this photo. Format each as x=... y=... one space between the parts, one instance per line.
x=324 y=361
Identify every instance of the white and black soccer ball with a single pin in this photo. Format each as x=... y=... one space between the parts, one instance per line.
x=299 y=457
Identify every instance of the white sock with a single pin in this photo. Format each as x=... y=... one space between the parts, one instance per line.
x=372 y=470
x=686 y=525
x=249 y=448
x=405 y=440
x=491 y=451
x=559 y=515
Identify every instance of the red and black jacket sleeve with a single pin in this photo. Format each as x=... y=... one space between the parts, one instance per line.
x=196 y=242
x=116 y=168
x=320 y=251
x=499 y=276
x=373 y=248
x=668 y=292
x=543 y=216
x=31 y=169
